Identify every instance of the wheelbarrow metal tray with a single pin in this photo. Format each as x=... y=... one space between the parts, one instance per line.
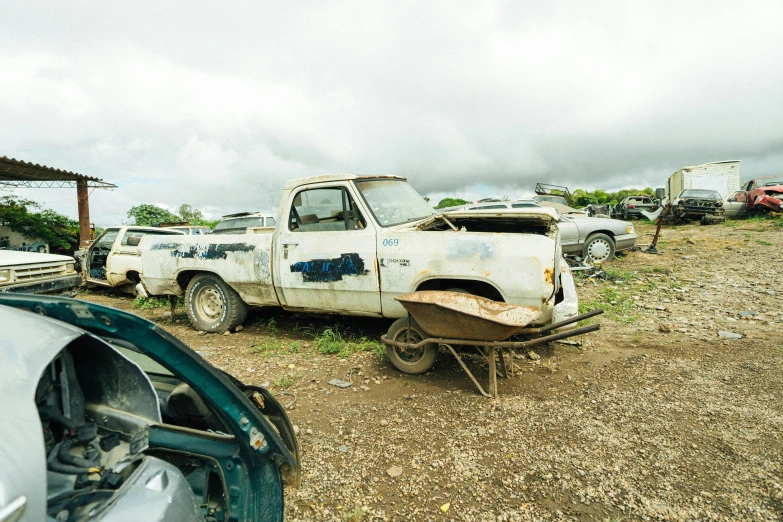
x=465 y=316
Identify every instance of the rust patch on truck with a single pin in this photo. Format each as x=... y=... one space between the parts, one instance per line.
x=549 y=275
x=330 y=270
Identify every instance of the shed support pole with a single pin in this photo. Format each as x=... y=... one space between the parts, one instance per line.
x=82 y=197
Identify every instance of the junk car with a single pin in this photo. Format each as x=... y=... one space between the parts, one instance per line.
x=593 y=238
x=114 y=259
x=38 y=273
x=107 y=417
x=697 y=203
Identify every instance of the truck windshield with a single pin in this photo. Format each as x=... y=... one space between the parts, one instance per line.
x=238 y=225
x=394 y=201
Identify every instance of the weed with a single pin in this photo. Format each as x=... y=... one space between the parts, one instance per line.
x=284 y=381
x=271 y=325
x=293 y=347
x=269 y=346
x=355 y=515
x=330 y=341
x=731 y=224
x=619 y=275
x=765 y=243
x=151 y=303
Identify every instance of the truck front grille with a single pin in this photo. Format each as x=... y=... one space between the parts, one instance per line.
x=40 y=272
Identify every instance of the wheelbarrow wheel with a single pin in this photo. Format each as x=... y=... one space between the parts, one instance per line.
x=415 y=361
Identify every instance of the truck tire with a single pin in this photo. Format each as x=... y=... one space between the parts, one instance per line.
x=598 y=248
x=413 y=362
x=213 y=306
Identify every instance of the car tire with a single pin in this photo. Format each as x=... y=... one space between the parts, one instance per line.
x=599 y=248
x=413 y=362
x=213 y=306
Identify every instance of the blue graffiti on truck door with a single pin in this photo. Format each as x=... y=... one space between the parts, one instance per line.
x=330 y=270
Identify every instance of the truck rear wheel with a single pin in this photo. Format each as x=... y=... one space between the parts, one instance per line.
x=409 y=361
x=213 y=306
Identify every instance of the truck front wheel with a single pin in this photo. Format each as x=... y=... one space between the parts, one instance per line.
x=411 y=361
x=213 y=306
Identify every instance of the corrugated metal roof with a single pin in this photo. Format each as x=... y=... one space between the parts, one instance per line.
x=18 y=173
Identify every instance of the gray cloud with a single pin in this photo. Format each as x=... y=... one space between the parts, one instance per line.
x=217 y=107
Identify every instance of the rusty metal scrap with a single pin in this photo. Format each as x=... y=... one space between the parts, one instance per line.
x=466 y=316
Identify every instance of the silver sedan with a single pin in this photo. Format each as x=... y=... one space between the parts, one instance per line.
x=593 y=238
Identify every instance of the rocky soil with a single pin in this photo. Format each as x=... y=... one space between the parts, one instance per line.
x=672 y=411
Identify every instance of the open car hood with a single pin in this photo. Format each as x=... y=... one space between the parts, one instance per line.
x=536 y=216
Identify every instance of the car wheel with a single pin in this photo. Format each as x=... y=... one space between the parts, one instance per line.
x=409 y=361
x=213 y=306
x=598 y=248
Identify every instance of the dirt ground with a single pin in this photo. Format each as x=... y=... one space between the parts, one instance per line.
x=657 y=416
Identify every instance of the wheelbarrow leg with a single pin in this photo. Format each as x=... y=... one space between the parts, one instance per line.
x=470 y=374
x=503 y=370
x=493 y=371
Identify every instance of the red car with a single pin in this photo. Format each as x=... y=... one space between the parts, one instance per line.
x=764 y=194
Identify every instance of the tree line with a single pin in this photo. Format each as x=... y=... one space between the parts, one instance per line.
x=25 y=217
x=579 y=197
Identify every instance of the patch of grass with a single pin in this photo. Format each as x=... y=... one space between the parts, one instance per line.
x=151 y=303
x=270 y=346
x=616 y=303
x=284 y=381
x=731 y=224
x=331 y=341
x=765 y=243
x=619 y=275
x=271 y=325
x=655 y=270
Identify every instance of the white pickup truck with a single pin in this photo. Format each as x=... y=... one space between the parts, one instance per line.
x=350 y=244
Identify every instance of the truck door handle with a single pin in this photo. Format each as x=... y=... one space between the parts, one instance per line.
x=289 y=244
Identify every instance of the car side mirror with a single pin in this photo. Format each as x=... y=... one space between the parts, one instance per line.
x=731 y=199
x=134 y=240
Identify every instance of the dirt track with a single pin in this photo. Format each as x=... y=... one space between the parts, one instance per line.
x=654 y=417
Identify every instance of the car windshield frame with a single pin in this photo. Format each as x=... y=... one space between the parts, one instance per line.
x=773 y=183
x=706 y=194
x=392 y=214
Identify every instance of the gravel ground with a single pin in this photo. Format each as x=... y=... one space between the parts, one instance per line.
x=658 y=416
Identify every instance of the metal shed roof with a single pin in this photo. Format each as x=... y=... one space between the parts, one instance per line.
x=17 y=173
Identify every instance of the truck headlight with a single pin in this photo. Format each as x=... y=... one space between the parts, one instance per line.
x=5 y=275
x=70 y=267
x=629 y=229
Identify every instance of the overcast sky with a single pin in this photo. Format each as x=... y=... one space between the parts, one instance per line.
x=216 y=104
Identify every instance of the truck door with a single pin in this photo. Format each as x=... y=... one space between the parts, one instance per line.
x=97 y=255
x=325 y=252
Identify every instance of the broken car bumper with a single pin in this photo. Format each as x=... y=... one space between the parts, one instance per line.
x=569 y=306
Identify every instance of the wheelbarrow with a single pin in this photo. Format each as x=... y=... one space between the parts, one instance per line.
x=453 y=319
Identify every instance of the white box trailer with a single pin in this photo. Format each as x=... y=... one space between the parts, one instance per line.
x=723 y=176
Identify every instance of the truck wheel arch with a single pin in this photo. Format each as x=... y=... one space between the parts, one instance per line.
x=212 y=305
x=472 y=286
x=184 y=277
